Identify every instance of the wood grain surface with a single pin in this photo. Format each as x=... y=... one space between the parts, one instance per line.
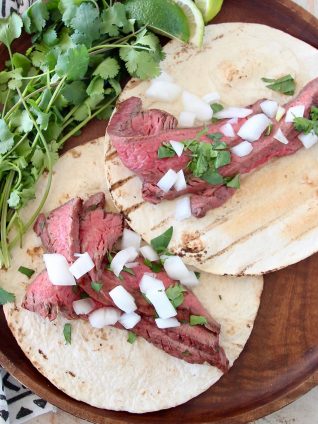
x=280 y=361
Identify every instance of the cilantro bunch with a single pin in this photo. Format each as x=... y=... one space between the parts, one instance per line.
x=81 y=51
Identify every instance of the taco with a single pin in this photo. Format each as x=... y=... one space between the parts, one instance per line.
x=110 y=367
x=271 y=221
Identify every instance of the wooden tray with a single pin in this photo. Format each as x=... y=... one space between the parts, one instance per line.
x=280 y=361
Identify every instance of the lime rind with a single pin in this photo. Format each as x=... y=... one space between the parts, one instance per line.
x=209 y=8
x=195 y=20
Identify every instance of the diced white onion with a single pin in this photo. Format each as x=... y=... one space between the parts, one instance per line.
x=181 y=183
x=227 y=130
x=269 y=107
x=233 y=112
x=129 y=320
x=242 y=149
x=82 y=265
x=123 y=299
x=130 y=239
x=183 y=208
x=104 y=316
x=167 y=181
x=58 y=270
x=149 y=253
x=186 y=119
x=177 y=147
x=280 y=136
x=167 y=323
x=175 y=268
x=194 y=104
x=83 y=306
x=164 y=76
x=190 y=281
x=294 y=112
x=233 y=121
x=164 y=91
x=280 y=113
x=254 y=127
x=210 y=98
x=161 y=303
x=122 y=258
x=309 y=139
x=148 y=283
x=132 y=264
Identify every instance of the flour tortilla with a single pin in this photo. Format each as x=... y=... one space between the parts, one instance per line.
x=100 y=367
x=272 y=220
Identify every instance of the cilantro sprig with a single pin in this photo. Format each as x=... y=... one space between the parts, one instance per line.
x=81 y=51
x=285 y=85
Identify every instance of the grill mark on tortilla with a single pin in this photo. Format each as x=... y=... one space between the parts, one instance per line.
x=245 y=237
x=160 y=224
x=111 y=155
x=133 y=208
x=120 y=183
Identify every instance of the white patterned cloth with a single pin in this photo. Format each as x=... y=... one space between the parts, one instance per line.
x=17 y=403
x=9 y=6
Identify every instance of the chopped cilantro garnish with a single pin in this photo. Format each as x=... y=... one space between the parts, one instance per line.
x=160 y=243
x=84 y=295
x=6 y=297
x=233 y=182
x=269 y=129
x=197 y=274
x=197 y=320
x=216 y=137
x=186 y=353
x=285 y=85
x=175 y=294
x=154 y=266
x=128 y=270
x=96 y=286
x=166 y=151
x=307 y=125
x=67 y=331
x=213 y=178
x=223 y=158
x=216 y=107
x=131 y=337
x=26 y=271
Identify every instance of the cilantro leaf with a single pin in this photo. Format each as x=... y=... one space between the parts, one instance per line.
x=166 y=151
x=314 y=113
x=22 y=122
x=234 y=182
x=50 y=37
x=148 y=39
x=223 y=158
x=132 y=337
x=67 y=332
x=160 y=243
x=14 y=200
x=154 y=266
x=216 y=107
x=198 y=320
x=35 y=17
x=96 y=87
x=175 y=294
x=109 y=68
x=22 y=62
x=26 y=271
x=6 y=138
x=129 y=270
x=216 y=137
x=114 y=19
x=213 y=178
x=75 y=92
x=285 y=85
x=10 y=29
x=96 y=286
x=86 y=24
x=140 y=64
x=6 y=297
x=73 y=63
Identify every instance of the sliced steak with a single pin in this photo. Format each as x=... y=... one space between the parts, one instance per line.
x=137 y=141
x=99 y=230
x=59 y=231
x=190 y=306
x=46 y=299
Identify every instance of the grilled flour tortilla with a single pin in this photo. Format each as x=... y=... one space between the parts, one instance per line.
x=272 y=220
x=100 y=367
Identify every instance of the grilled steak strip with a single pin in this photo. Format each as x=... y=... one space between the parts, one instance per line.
x=139 y=150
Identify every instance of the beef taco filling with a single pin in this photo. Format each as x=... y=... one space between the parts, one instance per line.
x=121 y=288
x=206 y=162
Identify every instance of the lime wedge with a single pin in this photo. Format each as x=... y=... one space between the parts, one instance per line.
x=209 y=8
x=163 y=16
x=195 y=20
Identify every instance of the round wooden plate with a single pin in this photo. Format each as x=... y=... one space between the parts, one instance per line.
x=280 y=361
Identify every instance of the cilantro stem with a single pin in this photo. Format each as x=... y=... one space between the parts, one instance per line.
x=83 y=123
x=5 y=103
x=105 y=47
x=4 y=212
x=55 y=94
